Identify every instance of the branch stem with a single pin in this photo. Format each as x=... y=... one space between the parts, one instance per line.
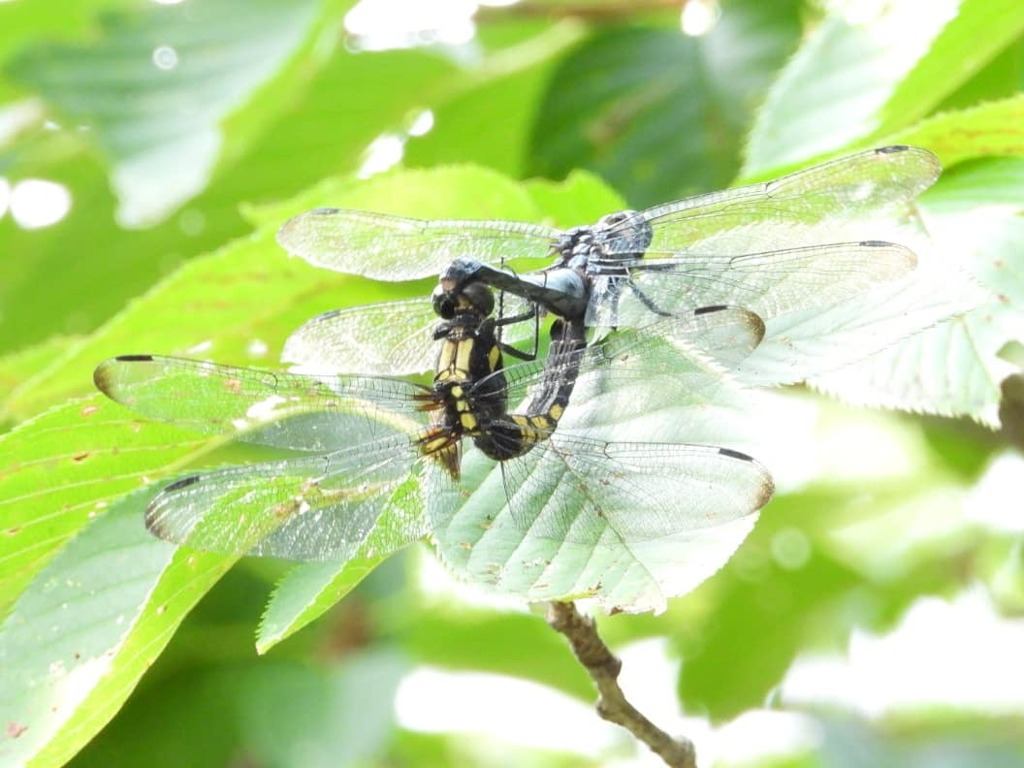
x=603 y=667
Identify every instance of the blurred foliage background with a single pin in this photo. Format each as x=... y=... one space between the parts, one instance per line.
x=148 y=152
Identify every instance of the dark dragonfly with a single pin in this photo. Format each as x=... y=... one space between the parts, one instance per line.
x=376 y=461
x=795 y=243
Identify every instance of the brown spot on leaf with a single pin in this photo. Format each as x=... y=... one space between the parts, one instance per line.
x=14 y=730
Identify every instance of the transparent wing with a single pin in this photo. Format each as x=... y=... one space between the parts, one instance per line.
x=300 y=412
x=574 y=486
x=770 y=283
x=395 y=338
x=577 y=489
x=387 y=247
x=308 y=508
x=676 y=345
x=768 y=214
x=692 y=350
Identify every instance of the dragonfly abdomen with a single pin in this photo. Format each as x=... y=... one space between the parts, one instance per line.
x=515 y=434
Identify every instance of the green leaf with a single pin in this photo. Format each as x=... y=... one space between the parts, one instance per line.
x=309 y=590
x=485 y=115
x=154 y=93
x=955 y=368
x=69 y=278
x=981 y=29
x=657 y=113
x=64 y=468
x=42 y=288
x=277 y=712
x=581 y=198
x=835 y=90
x=18 y=367
x=1001 y=78
x=988 y=130
x=88 y=627
x=24 y=24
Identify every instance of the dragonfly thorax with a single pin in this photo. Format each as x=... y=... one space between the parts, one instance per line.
x=617 y=237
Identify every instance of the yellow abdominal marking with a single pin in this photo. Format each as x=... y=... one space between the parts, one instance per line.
x=534 y=428
x=465 y=349
x=444 y=359
x=436 y=444
x=493 y=358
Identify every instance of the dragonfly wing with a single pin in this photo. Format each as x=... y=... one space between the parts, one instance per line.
x=723 y=334
x=576 y=489
x=769 y=284
x=767 y=215
x=308 y=508
x=283 y=410
x=395 y=338
x=385 y=247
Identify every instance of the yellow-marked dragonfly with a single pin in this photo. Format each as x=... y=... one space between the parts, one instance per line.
x=774 y=247
x=377 y=460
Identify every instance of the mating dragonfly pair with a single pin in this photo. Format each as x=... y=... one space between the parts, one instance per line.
x=379 y=459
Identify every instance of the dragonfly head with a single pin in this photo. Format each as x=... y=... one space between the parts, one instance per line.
x=474 y=299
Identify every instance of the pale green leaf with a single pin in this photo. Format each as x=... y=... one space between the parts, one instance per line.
x=88 y=627
x=981 y=30
x=154 y=94
x=974 y=217
x=18 y=367
x=987 y=130
x=834 y=91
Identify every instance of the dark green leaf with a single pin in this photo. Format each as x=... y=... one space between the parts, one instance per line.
x=657 y=113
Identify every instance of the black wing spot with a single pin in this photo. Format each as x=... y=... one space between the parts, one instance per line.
x=134 y=358
x=735 y=454
x=709 y=310
x=184 y=482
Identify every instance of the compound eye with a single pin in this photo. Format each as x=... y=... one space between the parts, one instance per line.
x=443 y=302
x=479 y=298
x=616 y=219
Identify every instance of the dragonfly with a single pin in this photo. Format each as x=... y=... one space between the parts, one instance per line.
x=769 y=247
x=375 y=462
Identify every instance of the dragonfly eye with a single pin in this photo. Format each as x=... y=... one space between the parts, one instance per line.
x=443 y=303
x=615 y=219
x=479 y=298
x=475 y=297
